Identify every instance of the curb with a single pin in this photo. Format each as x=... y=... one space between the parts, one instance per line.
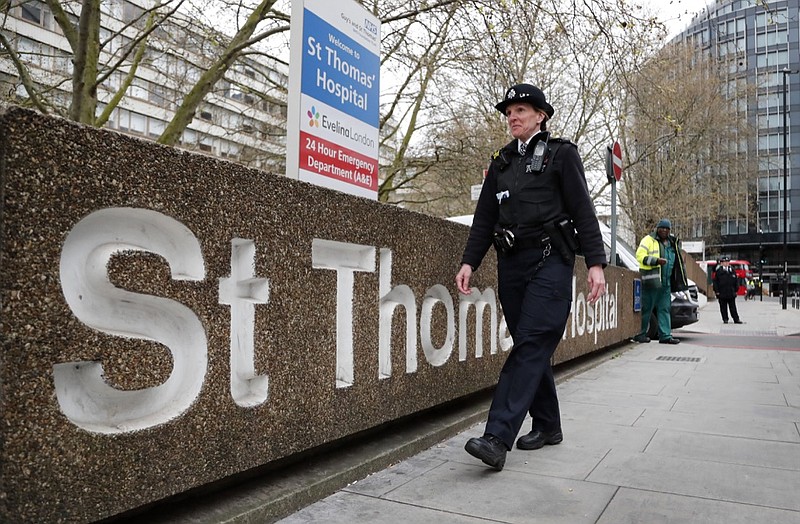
x=319 y=473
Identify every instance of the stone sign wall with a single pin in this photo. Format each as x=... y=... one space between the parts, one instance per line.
x=170 y=320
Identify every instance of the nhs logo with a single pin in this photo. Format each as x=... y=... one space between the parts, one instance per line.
x=371 y=26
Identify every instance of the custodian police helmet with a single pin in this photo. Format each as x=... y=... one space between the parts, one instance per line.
x=528 y=94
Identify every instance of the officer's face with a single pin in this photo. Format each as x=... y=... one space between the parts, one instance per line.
x=523 y=120
x=662 y=232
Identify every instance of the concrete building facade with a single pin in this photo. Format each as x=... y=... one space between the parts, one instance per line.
x=243 y=119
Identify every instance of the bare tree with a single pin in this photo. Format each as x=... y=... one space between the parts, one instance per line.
x=575 y=52
x=686 y=158
x=417 y=52
x=176 y=38
x=444 y=65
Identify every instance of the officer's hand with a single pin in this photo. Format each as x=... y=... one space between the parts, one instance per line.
x=462 y=279
x=662 y=261
x=597 y=283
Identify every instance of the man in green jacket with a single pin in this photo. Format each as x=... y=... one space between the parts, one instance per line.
x=662 y=270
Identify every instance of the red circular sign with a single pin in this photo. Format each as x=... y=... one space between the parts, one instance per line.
x=616 y=160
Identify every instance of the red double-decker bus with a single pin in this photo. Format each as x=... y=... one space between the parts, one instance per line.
x=742 y=270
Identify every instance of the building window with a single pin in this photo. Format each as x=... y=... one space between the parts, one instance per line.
x=138 y=89
x=228 y=149
x=131 y=12
x=205 y=144
x=767 y=163
x=773 y=59
x=772 y=38
x=224 y=88
x=769 y=79
x=729 y=28
x=772 y=101
x=156 y=128
x=138 y=124
x=769 y=183
x=130 y=122
x=33 y=52
x=770 y=121
x=123 y=119
x=32 y=12
x=769 y=225
x=766 y=19
x=269 y=131
x=207 y=116
x=767 y=142
x=733 y=227
x=62 y=63
x=160 y=95
x=189 y=137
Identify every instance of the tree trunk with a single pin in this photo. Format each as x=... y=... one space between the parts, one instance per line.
x=87 y=57
x=185 y=113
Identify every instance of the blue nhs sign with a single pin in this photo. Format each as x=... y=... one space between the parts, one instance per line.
x=637 y=294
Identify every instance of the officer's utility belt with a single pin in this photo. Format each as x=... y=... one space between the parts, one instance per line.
x=559 y=234
x=532 y=242
x=507 y=241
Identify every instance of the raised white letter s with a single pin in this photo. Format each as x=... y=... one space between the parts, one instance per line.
x=83 y=395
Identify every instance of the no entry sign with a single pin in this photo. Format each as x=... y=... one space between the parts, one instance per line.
x=616 y=160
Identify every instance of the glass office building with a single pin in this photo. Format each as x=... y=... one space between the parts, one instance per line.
x=756 y=42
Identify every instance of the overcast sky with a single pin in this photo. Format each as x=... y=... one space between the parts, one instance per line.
x=676 y=14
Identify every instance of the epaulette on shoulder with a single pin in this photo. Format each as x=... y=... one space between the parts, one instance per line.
x=563 y=141
x=499 y=158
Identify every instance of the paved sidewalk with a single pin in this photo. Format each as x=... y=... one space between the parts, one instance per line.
x=707 y=431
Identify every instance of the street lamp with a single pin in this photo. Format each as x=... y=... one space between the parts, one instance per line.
x=786 y=71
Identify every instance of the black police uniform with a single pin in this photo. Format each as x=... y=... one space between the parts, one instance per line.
x=535 y=289
x=726 y=287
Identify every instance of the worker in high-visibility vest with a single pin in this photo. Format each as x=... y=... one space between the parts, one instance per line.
x=662 y=270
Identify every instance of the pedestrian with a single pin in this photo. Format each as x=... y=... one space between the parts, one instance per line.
x=662 y=270
x=533 y=199
x=751 y=290
x=726 y=285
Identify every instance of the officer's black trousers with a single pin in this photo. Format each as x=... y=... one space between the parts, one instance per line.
x=536 y=305
x=726 y=304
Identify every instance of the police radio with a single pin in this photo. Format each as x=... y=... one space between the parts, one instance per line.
x=536 y=163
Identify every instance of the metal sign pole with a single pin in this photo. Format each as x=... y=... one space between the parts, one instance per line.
x=613 y=176
x=613 y=260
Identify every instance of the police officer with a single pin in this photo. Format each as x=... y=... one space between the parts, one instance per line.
x=726 y=287
x=533 y=199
